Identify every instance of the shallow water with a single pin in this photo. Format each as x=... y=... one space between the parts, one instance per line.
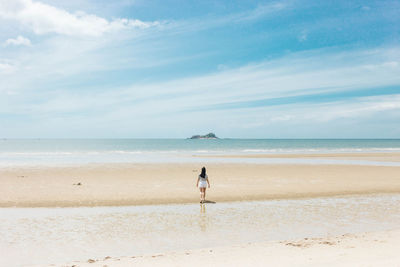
x=58 y=235
x=44 y=152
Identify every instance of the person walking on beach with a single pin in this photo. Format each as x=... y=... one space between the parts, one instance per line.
x=202 y=182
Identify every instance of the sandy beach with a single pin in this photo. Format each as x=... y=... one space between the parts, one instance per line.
x=115 y=184
x=147 y=214
x=112 y=113
x=364 y=249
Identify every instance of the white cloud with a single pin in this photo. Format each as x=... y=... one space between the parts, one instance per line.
x=317 y=116
x=355 y=108
x=392 y=64
x=7 y=68
x=301 y=73
x=164 y=102
x=20 y=40
x=204 y=23
x=311 y=72
x=261 y=11
x=43 y=19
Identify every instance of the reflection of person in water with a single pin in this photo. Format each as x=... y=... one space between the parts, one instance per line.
x=202 y=182
x=203 y=218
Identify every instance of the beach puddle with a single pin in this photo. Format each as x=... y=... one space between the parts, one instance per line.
x=58 y=235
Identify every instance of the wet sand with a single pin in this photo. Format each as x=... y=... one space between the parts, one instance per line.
x=366 y=249
x=140 y=184
x=79 y=234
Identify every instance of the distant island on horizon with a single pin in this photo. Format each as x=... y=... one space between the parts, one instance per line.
x=207 y=136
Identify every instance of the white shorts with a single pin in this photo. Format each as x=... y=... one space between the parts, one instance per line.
x=202 y=184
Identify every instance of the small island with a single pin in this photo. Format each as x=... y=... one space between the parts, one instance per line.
x=207 y=136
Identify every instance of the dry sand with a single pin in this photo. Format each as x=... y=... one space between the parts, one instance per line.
x=366 y=249
x=136 y=184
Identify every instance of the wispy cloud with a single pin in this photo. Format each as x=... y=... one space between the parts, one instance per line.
x=20 y=40
x=262 y=11
x=362 y=117
x=304 y=98
x=43 y=19
x=358 y=107
x=266 y=67
x=312 y=77
x=259 y=12
x=6 y=67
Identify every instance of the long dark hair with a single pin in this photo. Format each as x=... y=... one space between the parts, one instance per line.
x=203 y=172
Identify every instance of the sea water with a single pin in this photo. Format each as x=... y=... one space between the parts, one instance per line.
x=60 y=235
x=16 y=152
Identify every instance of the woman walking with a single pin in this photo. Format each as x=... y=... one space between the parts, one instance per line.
x=202 y=182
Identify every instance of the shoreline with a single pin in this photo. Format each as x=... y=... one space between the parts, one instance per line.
x=152 y=184
x=119 y=160
x=383 y=156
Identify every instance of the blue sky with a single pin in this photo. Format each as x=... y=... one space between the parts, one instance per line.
x=246 y=69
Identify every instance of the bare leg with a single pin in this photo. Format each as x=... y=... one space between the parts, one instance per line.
x=201 y=194
x=204 y=195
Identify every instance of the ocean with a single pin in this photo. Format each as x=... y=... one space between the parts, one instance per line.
x=16 y=152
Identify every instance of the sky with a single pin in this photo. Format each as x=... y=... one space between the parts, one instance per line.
x=175 y=68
